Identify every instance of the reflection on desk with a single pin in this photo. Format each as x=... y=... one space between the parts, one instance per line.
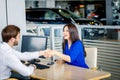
x=68 y=72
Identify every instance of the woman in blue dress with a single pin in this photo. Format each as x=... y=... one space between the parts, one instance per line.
x=73 y=49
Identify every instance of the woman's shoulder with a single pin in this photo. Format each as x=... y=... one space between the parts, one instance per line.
x=78 y=41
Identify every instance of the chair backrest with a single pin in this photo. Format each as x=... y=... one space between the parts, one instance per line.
x=91 y=57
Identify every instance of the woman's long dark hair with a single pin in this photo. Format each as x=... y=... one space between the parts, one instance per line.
x=74 y=36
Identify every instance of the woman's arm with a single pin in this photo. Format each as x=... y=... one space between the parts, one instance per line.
x=62 y=56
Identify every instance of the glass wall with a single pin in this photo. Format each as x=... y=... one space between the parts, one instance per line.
x=116 y=12
x=92 y=33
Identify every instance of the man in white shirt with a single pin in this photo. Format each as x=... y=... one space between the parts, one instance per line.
x=10 y=59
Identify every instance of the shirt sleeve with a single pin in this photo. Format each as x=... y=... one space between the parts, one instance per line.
x=26 y=55
x=15 y=64
x=77 y=48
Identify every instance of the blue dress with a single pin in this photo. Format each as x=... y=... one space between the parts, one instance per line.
x=76 y=53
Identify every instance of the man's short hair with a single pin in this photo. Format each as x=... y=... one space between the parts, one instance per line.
x=9 y=31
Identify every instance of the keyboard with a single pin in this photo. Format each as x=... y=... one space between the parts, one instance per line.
x=39 y=66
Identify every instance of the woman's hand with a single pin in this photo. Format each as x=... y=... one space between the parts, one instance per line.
x=47 y=53
x=60 y=61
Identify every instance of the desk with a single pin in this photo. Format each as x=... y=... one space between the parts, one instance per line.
x=68 y=72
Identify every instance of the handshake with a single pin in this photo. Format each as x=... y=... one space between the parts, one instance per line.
x=47 y=53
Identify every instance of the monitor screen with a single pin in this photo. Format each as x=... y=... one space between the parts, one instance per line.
x=33 y=43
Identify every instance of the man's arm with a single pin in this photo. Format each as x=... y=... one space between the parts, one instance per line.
x=15 y=64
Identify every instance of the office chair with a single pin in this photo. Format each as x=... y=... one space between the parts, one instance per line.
x=12 y=79
x=36 y=78
x=32 y=78
x=91 y=57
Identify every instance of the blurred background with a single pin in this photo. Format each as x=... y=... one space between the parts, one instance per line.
x=98 y=23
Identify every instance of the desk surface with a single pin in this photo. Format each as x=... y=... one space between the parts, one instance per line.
x=68 y=72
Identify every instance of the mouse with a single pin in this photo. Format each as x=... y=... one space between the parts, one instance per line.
x=51 y=63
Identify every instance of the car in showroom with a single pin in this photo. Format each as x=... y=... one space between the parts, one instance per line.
x=60 y=16
x=56 y=16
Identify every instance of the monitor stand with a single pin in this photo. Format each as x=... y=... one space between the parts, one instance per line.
x=51 y=63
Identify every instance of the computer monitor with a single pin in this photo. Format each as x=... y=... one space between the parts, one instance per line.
x=33 y=43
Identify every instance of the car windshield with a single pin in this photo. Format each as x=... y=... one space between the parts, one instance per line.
x=68 y=14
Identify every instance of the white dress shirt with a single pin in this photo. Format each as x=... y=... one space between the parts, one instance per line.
x=10 y=59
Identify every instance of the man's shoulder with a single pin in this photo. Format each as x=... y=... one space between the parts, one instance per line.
x=4 y=46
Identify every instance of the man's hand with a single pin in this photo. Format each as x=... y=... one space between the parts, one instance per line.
x=46 y=53
x=33 y=66
x=49 y=53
